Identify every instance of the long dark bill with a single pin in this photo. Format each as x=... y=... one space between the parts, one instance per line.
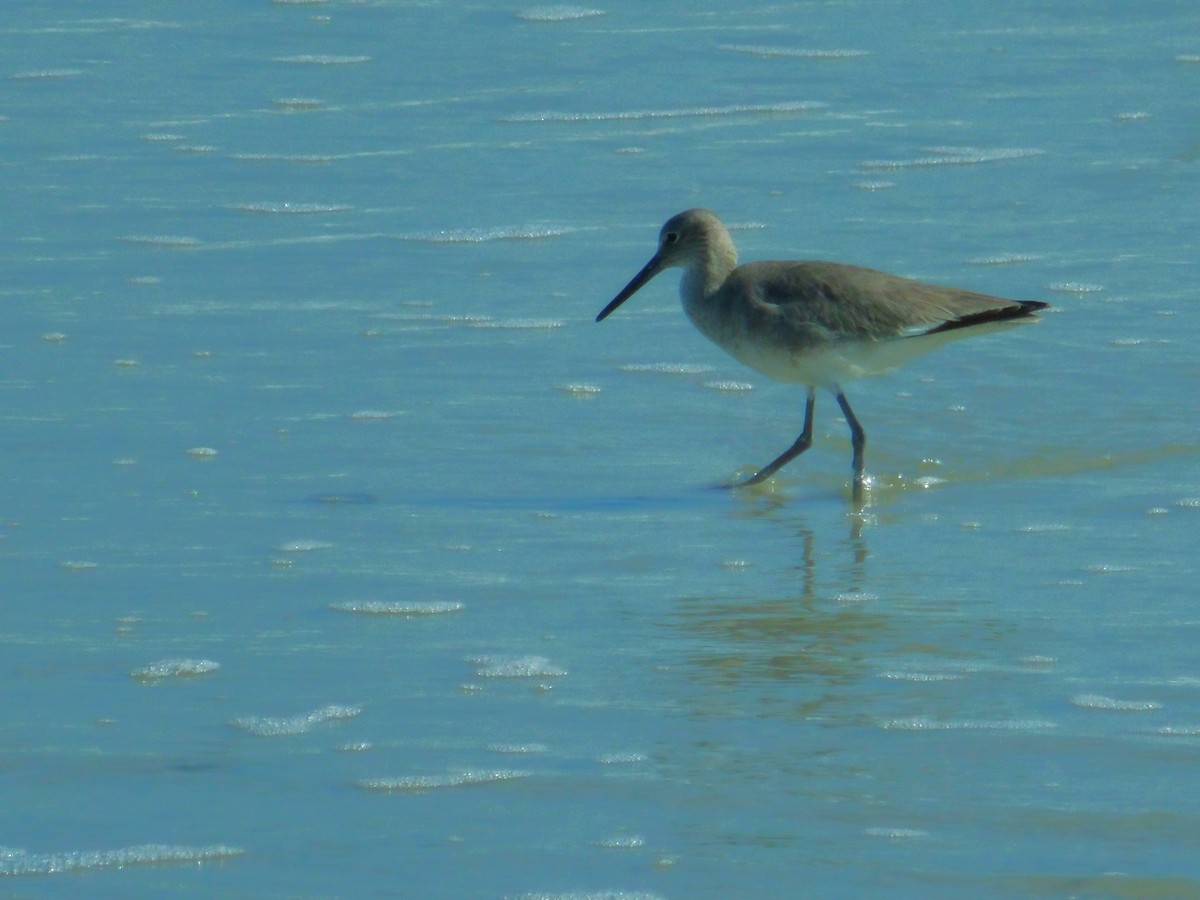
x=649 y=270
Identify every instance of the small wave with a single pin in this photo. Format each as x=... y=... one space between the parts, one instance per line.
x=168 y=241
x=373 y=415
x=19 y=862
x=1109 y=569
x=482 y=235
x=622 y=842
x=518 y=748
x=320 y=158
x=1139 y=342
x=174 y=668
x=683 y=113
x=924 y=724
x=516 y=667
x=518 y=324
x=382 y=608
x=1074 y=287
x=1096 y=701
x=855 y=597
x=729 y=387
x=921 y=676
x=45 y=74
x=321 y=59
x=415 y=784
x=755 y=50
x=579 y=390
x=1003 y=259
x=663 y=368
x=949 y=156
x=558 y=13
x=303 y=546
x=589 y=895
x=298 y=103
x=621 y=757
x=264 y=726
x=294 y=209
x=897 y=834
x=1179 y=731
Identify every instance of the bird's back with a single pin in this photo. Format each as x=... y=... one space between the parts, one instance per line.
x=836 y=301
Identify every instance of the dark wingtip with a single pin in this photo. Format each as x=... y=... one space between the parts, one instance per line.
x=1021 y=309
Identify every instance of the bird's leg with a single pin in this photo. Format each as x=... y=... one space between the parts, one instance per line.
x=858 y=440
x=802 y=443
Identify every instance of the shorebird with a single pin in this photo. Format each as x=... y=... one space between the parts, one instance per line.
x=812 y=323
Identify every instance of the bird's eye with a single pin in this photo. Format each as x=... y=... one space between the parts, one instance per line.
x=671 y=237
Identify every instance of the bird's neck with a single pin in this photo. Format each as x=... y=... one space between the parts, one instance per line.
x=707 y=273
x=705 y=276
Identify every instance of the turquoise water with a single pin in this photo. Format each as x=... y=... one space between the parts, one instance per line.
x=343 y=554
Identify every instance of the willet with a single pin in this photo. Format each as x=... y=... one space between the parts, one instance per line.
x=812 y=323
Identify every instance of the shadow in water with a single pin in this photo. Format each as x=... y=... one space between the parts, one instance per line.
x=882 y=488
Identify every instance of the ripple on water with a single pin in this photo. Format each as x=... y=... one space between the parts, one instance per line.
x=682 y=113
x=518 y=748
x=590 y=895
x=21 y=862
x=666 y=368
x=292 y=103
x=926 y=724
x=516 y=667
x=518 y=324
x=558 y=13
x=45 y=74
x=1097 y=701
x=174 y=668
x=579 y=390
x=303 y=546
x=622 y=842
x=921 y=676
x=728 y=387
x=1044 y=527
x=1003 y=259
x=415 y=784
x=292 y=209
x=321 y=59
x=1074 y=287
x=265 y=726
x=950 y=156
x=373 y=415
x=621 y=757
x=166 y=241
x=384 y=608
x=801 y=52
x=897 y=834
x=483 y=235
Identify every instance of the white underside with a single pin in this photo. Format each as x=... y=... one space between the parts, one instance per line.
x=844 y=361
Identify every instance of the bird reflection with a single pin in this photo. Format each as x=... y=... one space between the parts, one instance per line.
x=826 y=629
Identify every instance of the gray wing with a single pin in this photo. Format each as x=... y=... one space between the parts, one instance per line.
x=837 y=301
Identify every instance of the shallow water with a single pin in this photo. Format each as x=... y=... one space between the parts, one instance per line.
x=342 y=553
